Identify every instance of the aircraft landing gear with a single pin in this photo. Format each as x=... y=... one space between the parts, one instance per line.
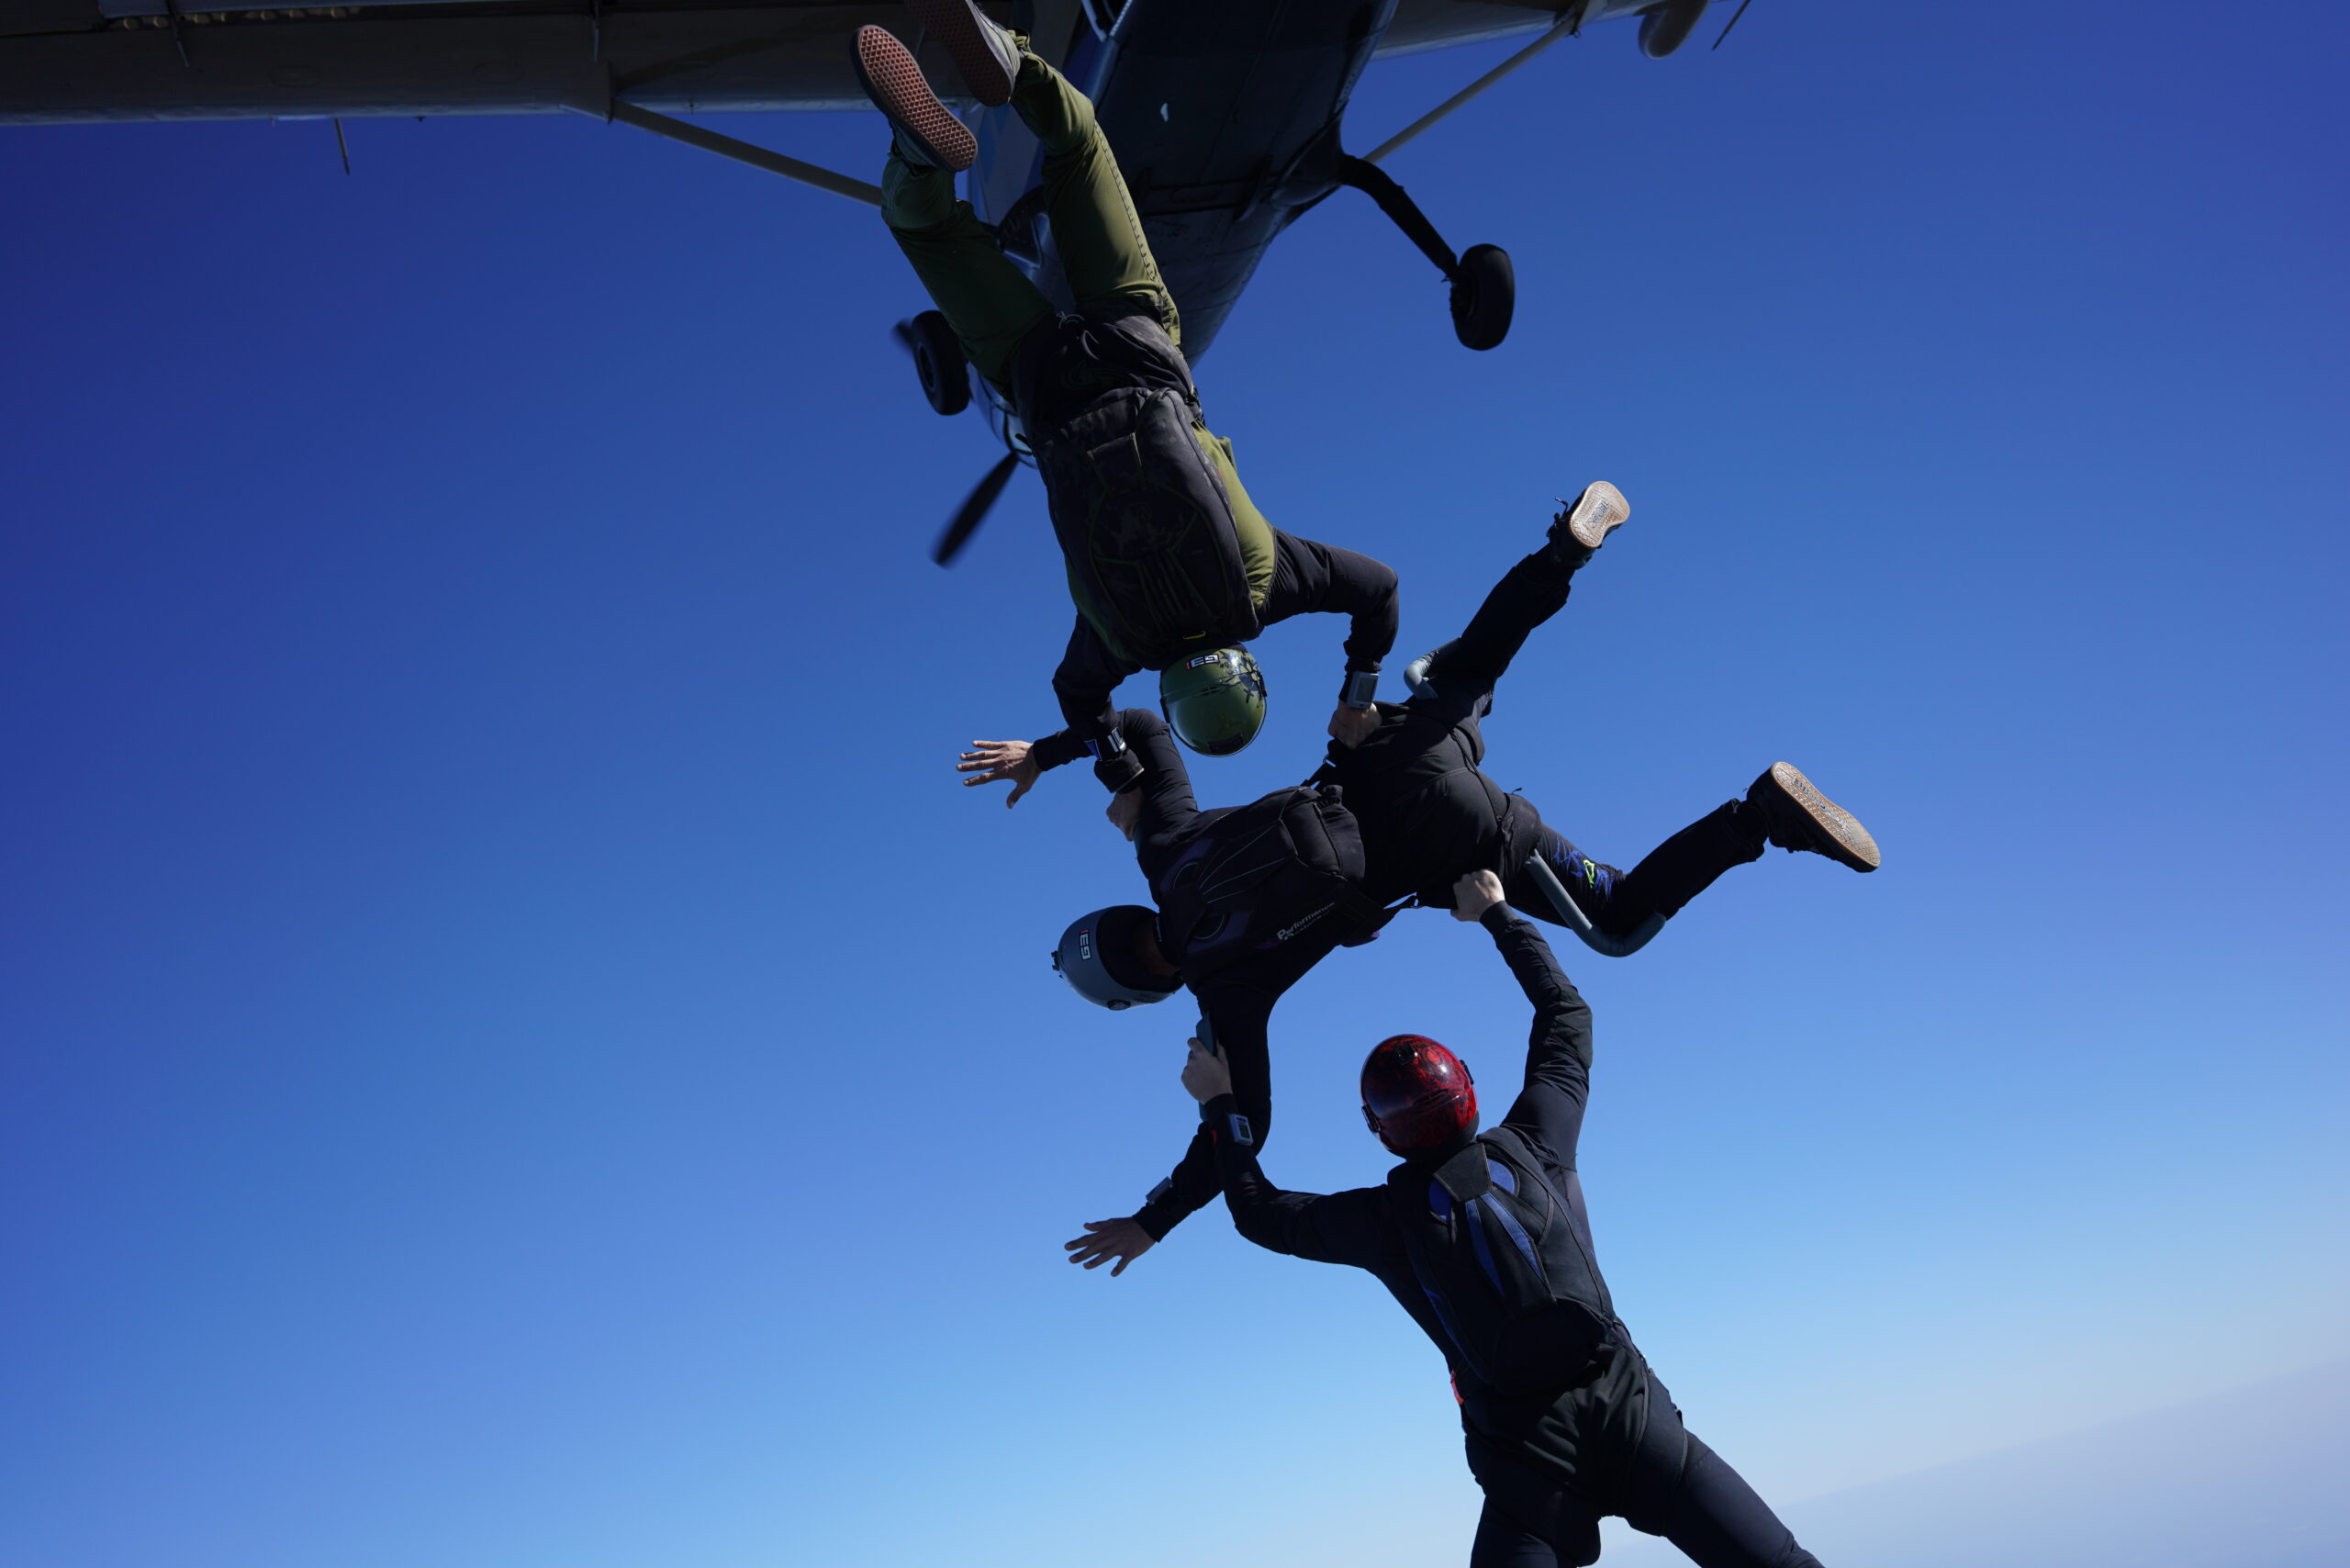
x=1667 y=27
x=938 y=362
x=1484 y=296
x=1484 y=284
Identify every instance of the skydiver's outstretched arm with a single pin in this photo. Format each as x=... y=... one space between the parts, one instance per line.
x=1238 y=1014
x=1336 y=1228
x=1088 y=674
x=1311 y=577
x=1549 y=1107
x=1235 y=1013
x=1157 y=810
x=1156 y=794
x=1164 y=805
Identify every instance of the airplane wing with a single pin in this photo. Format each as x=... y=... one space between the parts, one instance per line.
x=65 y=60
x=69 y=61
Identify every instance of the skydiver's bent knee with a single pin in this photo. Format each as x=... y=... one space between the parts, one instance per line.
x=1061 y=116
x=1602 y=906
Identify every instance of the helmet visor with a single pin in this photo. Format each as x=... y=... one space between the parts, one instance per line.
x=1098 y=956
x=1213 y=701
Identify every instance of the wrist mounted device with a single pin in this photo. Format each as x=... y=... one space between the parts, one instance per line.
x=1361 y=686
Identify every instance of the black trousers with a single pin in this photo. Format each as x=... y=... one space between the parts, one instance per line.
x=1626 y=906
x=1623 y=908
x=1672 y=1486
x=1714 y=1517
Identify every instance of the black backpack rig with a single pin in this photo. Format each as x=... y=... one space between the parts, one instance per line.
x=1140 y=512
x=1260 y=875
x=1506 y=1269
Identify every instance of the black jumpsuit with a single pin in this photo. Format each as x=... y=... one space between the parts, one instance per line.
x=1552 y=1463
x=1309 y=579
x=1428 y=814
x=1236 y=1001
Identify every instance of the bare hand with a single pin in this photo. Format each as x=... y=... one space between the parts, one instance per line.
x=1123 y=1240
x=994 y=760
x=1124 y=811
x=1352 y=726
x=1207 y=1074
x=1474 y=894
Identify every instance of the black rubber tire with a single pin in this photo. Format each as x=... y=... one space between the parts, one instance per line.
x=1485 y=297
x=1667 y=27
x=938 y=361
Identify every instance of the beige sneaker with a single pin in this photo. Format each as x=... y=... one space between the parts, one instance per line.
x=1798 y=816
x=1597 y=512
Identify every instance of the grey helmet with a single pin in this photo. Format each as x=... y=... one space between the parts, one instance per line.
x=1096 y=957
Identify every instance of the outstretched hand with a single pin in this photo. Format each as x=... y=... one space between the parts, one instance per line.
x=1207 y=1074
x=989 y=761
x=1474 y=894
x=1104 y=1239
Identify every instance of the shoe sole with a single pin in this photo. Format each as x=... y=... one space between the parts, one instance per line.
x=1599 y=512
x=958 y=25
x=895 y=85
x=1850 y=844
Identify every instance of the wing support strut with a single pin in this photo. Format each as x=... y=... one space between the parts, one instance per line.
x=1565 y=25
x=595 y=97
x=745 y=153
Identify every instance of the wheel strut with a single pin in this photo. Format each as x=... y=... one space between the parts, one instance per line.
x=1485 y=287
x=1374 y=182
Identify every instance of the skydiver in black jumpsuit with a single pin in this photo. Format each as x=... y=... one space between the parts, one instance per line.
x=1429 y=815
x=1555 y=1456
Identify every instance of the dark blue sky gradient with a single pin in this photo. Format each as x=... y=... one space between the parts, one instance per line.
x=517 y=1051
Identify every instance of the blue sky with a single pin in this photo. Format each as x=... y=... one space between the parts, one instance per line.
x=518 y=1052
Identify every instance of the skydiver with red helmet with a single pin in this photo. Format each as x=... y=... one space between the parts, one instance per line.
x=1422 y=815
x=1483 y=1238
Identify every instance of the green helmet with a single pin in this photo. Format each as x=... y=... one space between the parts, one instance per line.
x=1213 y=701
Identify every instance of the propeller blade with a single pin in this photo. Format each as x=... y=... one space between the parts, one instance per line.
x=974 y=510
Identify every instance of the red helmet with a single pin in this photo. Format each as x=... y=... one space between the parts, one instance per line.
x=1417 y=1096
